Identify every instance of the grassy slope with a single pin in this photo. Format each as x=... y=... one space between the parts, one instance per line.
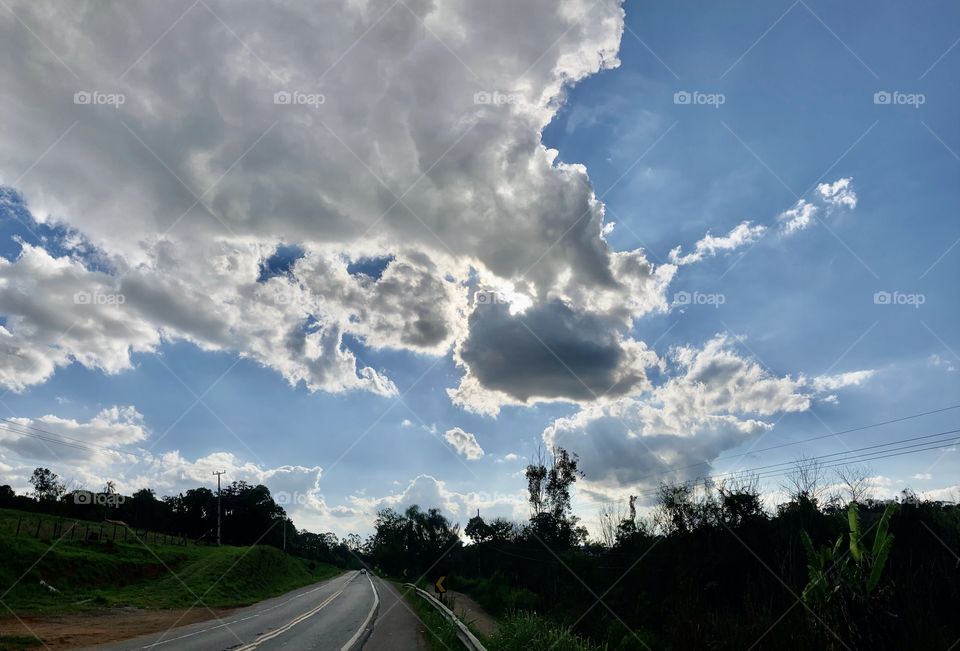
x=92 y=575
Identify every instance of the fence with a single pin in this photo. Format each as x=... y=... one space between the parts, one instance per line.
x=69 y=529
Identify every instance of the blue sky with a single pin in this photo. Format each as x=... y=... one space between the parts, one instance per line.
x=798 y=84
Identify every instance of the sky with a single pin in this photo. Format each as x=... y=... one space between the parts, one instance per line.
x=378 y=253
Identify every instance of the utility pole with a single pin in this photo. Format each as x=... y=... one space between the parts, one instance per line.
x=218 y=473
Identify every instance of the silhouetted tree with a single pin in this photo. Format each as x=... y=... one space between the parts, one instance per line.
x=47 y=486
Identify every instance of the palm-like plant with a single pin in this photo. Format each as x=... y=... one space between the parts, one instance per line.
x=843 y=586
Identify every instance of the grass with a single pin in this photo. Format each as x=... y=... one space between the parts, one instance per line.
x=440 y=633
x=91 y=575
x=530 y=632
x=18 y=642
x=44 y=526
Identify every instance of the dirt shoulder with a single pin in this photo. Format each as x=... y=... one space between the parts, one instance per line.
x=470 y=612
x=76 y=630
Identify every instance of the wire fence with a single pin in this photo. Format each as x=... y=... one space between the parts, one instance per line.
x=47 y=528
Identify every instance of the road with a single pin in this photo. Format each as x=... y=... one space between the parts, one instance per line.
x=340 y=614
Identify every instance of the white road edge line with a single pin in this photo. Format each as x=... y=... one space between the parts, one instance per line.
x=363 y=627
x=296 y=620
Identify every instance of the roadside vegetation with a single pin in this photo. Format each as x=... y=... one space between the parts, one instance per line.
x=709 y=567
x=81 y=575
x=75 y=550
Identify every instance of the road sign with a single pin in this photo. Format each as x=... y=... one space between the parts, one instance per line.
x=438 y=586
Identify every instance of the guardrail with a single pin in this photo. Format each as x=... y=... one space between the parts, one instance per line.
x=469 y=639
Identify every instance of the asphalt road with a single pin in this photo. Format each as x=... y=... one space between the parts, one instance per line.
x=336 y=615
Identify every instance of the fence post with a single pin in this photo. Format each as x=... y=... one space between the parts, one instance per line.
x=19 y=521
x=39 y=523
x=100 y=535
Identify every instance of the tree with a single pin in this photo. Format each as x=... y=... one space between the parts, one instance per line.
x=47 y=486
x=353 y=542
x=549 y=495
x=611 y=517
x=855 y=483
x=502 y=530
x=806 y=480
x=477 y=530
x=740 y=500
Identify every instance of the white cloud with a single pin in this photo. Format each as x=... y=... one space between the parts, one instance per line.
x=113 y=427
x=426 y=492
x=797 y=218
x=714 y=400
x=839 y=193
x=326 y=177
x=109 y=447
x=925 y=476
x=741 y=235
x=464 y=443
x=939 y=362
x=824 y=383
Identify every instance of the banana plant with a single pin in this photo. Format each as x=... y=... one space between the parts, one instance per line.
x=842 y=582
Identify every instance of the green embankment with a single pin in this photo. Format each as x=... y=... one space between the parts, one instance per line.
x=90 y=574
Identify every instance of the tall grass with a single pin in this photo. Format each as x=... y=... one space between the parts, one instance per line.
x=529 y=632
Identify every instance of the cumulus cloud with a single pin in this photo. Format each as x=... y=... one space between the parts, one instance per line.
x=195 y=179
x=741 y=235
x=464 y=443
x=714 y=400
x=59 y=311
x=549 y=352
x=427 y=491
x=86 y=441
x=110 y=446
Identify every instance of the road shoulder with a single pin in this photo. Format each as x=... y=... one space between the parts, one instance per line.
x=396 y=627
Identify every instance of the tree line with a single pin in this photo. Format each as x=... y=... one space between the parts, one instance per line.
x=709 y=566
x=249 y=515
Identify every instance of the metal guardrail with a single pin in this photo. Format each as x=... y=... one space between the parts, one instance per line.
x=469 y=640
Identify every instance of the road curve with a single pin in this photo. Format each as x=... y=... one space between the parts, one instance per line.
x=335 y=615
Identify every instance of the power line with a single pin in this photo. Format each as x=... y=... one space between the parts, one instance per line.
x=671 y=469
x=61 y=439
x=879 y=451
